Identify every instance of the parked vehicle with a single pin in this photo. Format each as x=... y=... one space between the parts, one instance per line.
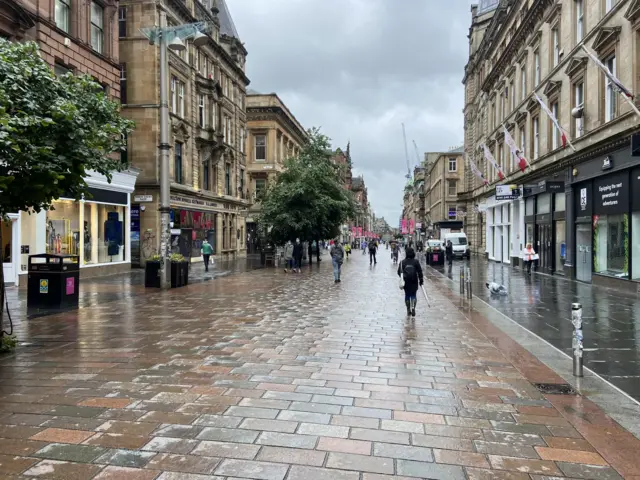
x=460 y=244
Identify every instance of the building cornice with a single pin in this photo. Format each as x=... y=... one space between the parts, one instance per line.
x=276 y=113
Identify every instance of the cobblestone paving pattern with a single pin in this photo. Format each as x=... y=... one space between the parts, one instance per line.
x=269 y=376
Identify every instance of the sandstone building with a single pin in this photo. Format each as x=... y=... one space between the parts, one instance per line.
x=580 y=209
x=274 y=134
x=207 y=101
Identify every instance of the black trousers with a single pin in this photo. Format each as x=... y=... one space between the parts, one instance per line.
x=206 y=257
x=372 y=257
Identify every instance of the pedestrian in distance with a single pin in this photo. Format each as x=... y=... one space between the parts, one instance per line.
x=297 y=255
x=373 y=248
x=337 y=257
x=449 y=252
x=347 y=250
x=207 y=251
x=410 y=273
x=288 y=256
x=529 y=256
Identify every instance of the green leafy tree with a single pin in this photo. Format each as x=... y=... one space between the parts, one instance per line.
x=53 y=131
x=308 y=200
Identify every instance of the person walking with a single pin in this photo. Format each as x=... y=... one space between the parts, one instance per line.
x=448 y=249
x=207 y=251
x=337 y=257
x=411 y=273
x=288 y=256
x=347 y=249
x=529 y=256
x=373 y=248
x=297 y=255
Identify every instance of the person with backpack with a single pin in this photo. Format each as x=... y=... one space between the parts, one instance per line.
x=207 y=251
x=337 y=257
x=410 y=272
x=373 y=248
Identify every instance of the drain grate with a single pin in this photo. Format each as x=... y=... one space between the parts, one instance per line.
x=556 y=388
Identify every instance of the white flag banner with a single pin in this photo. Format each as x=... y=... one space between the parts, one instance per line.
x=508 y=139
x=489 y=156
x=554 y=120
x=617 y=84
x=476 y=171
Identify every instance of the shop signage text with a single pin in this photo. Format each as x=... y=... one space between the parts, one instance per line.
x=192 y=201
x=143 y=198
x=507 y=192
x=611 y=194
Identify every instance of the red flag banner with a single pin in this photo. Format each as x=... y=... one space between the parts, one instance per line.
x=405 y=228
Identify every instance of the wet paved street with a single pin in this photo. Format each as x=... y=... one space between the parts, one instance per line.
x=270 y=376
x=542 y=304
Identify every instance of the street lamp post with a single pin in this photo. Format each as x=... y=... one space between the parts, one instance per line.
x=169 y=37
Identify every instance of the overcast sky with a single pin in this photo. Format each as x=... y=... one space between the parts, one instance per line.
x=359 y=69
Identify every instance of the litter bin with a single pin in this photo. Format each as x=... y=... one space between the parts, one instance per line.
x=53 y=281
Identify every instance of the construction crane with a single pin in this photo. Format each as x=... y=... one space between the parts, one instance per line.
x=406 y=153
x=417 y=154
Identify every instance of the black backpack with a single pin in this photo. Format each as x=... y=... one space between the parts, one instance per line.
x=372 y=248
x=410 y=273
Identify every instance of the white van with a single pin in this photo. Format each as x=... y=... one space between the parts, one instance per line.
x=459 y=243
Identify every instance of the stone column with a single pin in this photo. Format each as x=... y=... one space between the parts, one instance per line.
x=219 y=235
x=569 y=234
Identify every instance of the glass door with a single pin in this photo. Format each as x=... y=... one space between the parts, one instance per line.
x=583 y=252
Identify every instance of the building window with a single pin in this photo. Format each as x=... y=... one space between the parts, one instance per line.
x=59 y=70
x=177 y=162
x=123 y=83
x=610 y=92
x=97 y=27
x=122 y=22
x=229 y=131
x=260 y=147
x=555 y=38
x=241 y=140
x=181 y=98
x=225 y=134
x=609 y=4
x=523 y=141
x=579 y=20
x=535 y=137
x=174 y=93
x=453 y=164
x=555 y=134
x=202 y=111
x=206 y=180
x=512 y=92
x=452 y=188
x=523 y=82
x=536 y=68
x=578 y=98
x=225 y=85
x=452 y=212
x=63 y=15
x=227 y=179
x=261 y=186
x=611 y=245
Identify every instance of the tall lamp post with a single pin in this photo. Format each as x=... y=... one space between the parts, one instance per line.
x=169 y=37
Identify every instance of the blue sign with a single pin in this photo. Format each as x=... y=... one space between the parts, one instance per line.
x=134 y=234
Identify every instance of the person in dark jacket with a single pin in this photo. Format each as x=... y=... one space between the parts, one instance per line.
x=297 y=255
x=449 y=251
x=411 y=271
x=373 y=248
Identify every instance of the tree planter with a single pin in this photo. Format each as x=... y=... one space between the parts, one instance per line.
x=152 y=274
x=179 y=274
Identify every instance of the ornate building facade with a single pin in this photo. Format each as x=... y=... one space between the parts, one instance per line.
x=274 y=134
x=578 y=205
x=207 y=99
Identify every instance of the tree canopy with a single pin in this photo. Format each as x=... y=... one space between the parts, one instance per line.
x=308 y=200
x=53 y=130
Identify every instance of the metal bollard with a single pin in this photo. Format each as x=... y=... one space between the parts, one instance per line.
x=576 y=320
x=462 y=280
x=469 y=291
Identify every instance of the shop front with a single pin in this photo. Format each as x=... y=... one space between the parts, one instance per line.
x=96 y=228
x=10 y=247
x=189 y=228
x=545 y=224
x=606 y=204
x=504 y=224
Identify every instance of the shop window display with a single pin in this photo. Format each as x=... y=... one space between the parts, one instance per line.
x=63 y=228
x=635 y=253
x=110 y=233
x=7 y=235
x=611 y=245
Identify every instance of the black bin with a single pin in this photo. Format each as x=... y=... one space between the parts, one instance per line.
x=54 y=281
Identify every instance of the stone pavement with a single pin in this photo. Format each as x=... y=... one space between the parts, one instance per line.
x=542 y=304
x=270 y=376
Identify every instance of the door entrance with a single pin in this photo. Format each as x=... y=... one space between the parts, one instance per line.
x=544 y=244
x=583 y=252
x=9 y=250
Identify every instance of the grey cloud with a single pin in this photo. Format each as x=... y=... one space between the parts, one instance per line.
x=360 y=68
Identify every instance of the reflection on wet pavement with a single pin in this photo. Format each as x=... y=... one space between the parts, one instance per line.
x=542 y=304
x=275 y=376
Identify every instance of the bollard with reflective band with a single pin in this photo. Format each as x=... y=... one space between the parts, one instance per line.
x=576 y=320
x=462 y=280
x=469 y=292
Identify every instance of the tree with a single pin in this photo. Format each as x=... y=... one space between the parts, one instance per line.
x=53 y=131
x=308 y=200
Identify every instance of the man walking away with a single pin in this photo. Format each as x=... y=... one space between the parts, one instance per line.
x=411 y=272
x=288 y=256
x=337 y=257
x=207 y=251
x=372 y=253
x=448 y=249
x=297 y=255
